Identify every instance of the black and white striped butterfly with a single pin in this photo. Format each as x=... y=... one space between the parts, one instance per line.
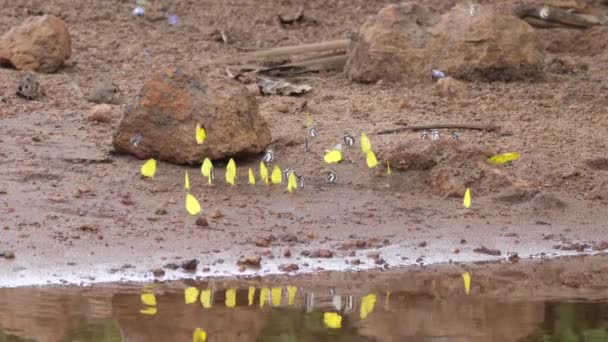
x=435 y=135
x=300 y=180
x=348 y=140
x=286 y=172
x=312 y=132
x=306 y=144
x=136 y=139
x=268 y=157
x=455 y=136
x=332 y=177
x=424 y=134
x=212 y=173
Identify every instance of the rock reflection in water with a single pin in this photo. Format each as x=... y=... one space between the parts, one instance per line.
x=287 y=314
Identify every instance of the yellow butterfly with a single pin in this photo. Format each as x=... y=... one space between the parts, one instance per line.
x=192 y=205
x=206 y=299
x=371 y=160
x=251 y=177
x=466 y=202
x=230 y=298
x=231 y=172
x=291 y=294
x=366 y=145
x=263 y=173
x=186 y=181
x=250 y=295
x=148 y=299
x=466 y=277
x=332 y=320
x=388 y=168
x=200 y=134
x=333 y=156
x=503 y=158
x=308 y=120
x=276 y=293
x=149 y=311
x=149 y=168
x=199 y=335
x=190 y=295
x=206 y=168
x=292 y=182
x=367 y=305
x=277 y=176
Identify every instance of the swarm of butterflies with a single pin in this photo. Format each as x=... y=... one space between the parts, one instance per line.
x=276 y=176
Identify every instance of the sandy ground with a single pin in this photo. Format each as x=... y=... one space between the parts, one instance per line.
x=71 y=211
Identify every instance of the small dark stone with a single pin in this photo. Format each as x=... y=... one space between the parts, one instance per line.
x=190 y=265
x=422 y=244
x=380 y=261
x=158 y=272
x=171 y=266
x=305 y=253
x=202 y=222
x=486 y=250
x=289 y=268
x=287 y=253
x=8 y=255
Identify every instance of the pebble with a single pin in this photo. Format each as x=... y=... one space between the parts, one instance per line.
x=103 y=113
x=190 y=265
x=202 y=222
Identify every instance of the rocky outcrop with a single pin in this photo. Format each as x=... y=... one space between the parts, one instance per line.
x=162 y=122
x=40 y=44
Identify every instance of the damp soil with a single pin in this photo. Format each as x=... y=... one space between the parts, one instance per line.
x=539 y=302
x=72 y=212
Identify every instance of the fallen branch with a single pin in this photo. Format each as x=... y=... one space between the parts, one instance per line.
x=544 y=16
x=488 y=128
x=340 y=44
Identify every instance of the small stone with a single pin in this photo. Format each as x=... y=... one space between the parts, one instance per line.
x=158 y=272
x=103 y=113
x=262 y=242
x=202 y=222
x=29 y=87
x=161 y=211
x=456 y=251
x=422 y=244
x=190 y=265
x=287 y=253
x=104 y=92
x=512 y=257
x=250 y=261
x=289 y=268
x=380 y=261
x=9 y=255
x=322 y=253
x=217 y=214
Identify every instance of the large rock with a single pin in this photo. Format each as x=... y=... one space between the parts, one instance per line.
x=404 y=42
x=163 y=120
x=391 y=45
x=485 y=42
x=40 y=44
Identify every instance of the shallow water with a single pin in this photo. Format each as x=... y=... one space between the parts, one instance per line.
x=279 y=312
